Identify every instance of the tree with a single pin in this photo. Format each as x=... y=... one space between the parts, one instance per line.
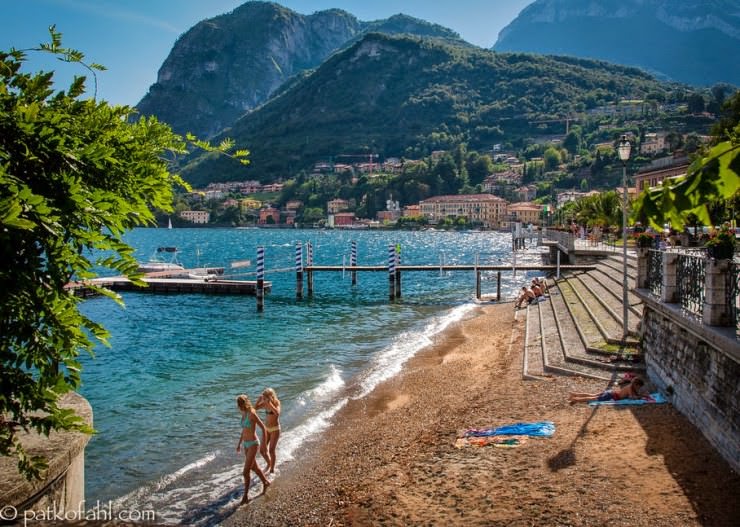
x=75 y=175
x=479 y=167
x=696 y=103
x=552 y=158
x=572 y=142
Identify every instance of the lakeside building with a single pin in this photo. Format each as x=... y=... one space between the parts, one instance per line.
x=336 y=205
x=486 y=209
x=196 y=216
x=659 y=170
x=294 y=204
x=266 y=213
x=412 y=211
x=341 y=219
x=526 y=212
x=573 y=195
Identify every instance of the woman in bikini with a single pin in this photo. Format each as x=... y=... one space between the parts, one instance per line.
x=271 y=404
x=631 y=391
x=250 y=442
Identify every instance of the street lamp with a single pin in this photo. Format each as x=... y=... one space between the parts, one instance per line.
x=623 y=149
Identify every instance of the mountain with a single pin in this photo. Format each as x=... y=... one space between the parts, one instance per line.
x=692 y=41
x=386 y=94
x=227 y=65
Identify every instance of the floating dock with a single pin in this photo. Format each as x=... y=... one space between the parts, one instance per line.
x=215 y=286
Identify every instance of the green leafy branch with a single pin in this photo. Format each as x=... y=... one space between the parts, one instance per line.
x=713 y=176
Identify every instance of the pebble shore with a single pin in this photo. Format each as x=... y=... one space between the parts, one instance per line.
x=390 y=459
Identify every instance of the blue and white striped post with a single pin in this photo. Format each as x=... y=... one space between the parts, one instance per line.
x=260 y=279
x=309 y=263
x=398 y=270
x=353 y=261
x=299 y=270
x=391 y=271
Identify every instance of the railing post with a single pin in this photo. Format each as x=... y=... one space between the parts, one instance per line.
x=669 y=293
x=391 y=272
x=498 y=286
x=398 y=270
x=716 y=311
x=641 y=279
x=260 y=279
x=353 y=262
x=309 y=263
x=557 y=272
x=477 y=278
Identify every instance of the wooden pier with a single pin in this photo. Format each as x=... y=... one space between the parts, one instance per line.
x=170 y=285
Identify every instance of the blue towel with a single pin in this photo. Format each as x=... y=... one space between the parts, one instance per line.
x=541 y=429
x=655 y=398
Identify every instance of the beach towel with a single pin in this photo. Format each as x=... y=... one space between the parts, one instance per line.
x=538 y=429
x=653 y=398
x=496 y=441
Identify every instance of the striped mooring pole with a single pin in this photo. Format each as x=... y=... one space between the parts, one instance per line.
x=353 y=261
x=309 y=263
x=299 y=270
x=260 y=279
x=391 y=271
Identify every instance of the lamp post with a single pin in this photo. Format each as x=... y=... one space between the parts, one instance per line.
x=624 y=154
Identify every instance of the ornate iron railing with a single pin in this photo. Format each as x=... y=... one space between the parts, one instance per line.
x=732 y=293
x=655 y=271
x=691 y=278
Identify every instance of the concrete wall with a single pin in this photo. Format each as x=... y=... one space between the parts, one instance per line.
x=62 y=487
x=699 y=367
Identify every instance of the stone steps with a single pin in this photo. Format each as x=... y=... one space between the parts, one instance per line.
x=533 y=363
x=562 y=344
x=611 y=279
x=600 y=312
x=611 y=299
x=593 y=351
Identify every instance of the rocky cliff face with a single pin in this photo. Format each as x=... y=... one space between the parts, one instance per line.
x=692 y=41
x=228 y=65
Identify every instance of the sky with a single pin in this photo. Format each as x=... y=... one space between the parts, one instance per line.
x=132 y=38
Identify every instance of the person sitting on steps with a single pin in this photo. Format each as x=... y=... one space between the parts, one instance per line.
x=526 y=295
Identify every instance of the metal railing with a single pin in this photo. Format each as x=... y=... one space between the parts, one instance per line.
x=691 y=278
x=655 y=272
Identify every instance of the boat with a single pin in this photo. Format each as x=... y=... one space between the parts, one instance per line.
x=158 y=263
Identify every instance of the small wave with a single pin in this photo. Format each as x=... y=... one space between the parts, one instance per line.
x=146 y=491
x=323 y=391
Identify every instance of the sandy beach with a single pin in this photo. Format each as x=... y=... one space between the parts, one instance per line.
x=390 y=459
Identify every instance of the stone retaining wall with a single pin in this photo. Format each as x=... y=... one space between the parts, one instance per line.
x=699 y=368
x=62 y=487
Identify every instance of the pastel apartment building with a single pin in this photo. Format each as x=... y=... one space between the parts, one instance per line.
x=486 y=209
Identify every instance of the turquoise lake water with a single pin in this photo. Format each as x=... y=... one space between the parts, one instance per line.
x=164 y=393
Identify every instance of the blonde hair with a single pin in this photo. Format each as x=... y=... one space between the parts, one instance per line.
x=244 y=403
x=270 y=393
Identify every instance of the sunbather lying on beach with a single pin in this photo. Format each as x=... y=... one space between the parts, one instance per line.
x=631 y=391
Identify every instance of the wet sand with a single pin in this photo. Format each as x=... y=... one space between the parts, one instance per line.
x=389 y=459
